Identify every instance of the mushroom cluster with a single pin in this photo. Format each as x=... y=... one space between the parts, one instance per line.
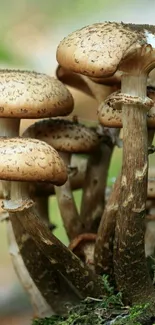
x=112 y=233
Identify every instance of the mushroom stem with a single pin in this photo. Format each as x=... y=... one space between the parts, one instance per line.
x=67 y=205
x=78 y=277
x=131 y=271
x=9 y=127
x=93 y=199
x=40 y=307
x=48 y=281
x=106 y=233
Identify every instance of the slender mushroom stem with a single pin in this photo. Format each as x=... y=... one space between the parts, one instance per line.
x=93 y=199
x=66 y=264
x=103 y=255
x=130 y=223
x=40 y=307
x=67 y=205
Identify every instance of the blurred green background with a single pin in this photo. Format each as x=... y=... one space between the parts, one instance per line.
x=30 y=31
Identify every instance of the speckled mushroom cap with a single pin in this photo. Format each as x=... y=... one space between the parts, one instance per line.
x=26 y=94
x=98 y=49
x=110 y=112
x=30 y=160
x=64 y=135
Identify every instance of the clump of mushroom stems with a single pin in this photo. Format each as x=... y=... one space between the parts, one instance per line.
x=73 y=271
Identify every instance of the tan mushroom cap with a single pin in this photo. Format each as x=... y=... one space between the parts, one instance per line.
x=97 y=50
x=64 y=135
x=110 y=112
x=26 y=94
x=30 y=160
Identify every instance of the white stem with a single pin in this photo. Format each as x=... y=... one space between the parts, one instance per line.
x=40 y=306
x=67 y=206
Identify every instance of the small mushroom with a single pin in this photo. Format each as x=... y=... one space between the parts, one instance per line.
x=110 y=111
x=67 y=137
x=83 y=247
x=28 y=160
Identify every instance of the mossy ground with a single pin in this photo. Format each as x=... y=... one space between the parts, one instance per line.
x=101 y=312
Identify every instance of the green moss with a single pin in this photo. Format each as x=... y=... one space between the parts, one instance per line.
x=99 y=312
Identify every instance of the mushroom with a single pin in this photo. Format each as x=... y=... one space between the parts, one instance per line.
x=28 y=160
x=83 y=247
x=26 y=94
x=67 y=137
x=110 y=111
x=98 y=51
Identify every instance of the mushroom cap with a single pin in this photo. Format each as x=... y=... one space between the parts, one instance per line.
x=30 y=160
x=64 y=135
x=98 y=49
x=26 y=94
x=110 y=112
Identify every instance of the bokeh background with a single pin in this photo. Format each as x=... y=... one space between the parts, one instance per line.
x=30 y=31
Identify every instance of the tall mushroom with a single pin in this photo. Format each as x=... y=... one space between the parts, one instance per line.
x=67 y=137
x=34 y=160
x=127 y=48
